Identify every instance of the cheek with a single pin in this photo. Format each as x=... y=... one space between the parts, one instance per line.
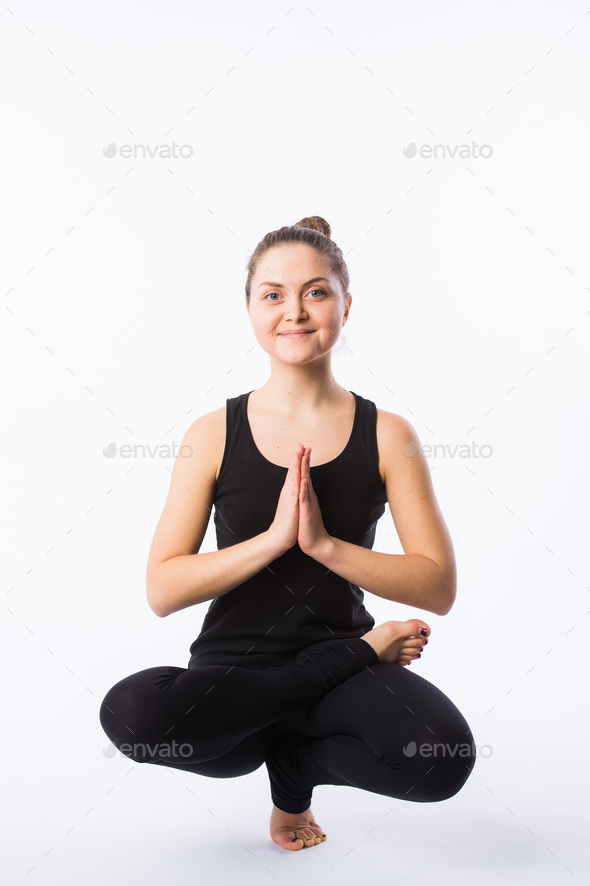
x=264 y=330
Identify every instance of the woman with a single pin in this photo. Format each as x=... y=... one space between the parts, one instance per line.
x=288 y=668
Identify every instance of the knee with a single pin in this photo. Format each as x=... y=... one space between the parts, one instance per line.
x=445 y=764
x=121 y=715
x=138 y=715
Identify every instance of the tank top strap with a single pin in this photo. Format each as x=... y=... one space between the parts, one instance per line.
x=235 y=430
x=364 y=445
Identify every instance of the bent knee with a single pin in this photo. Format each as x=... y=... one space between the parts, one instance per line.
x=131 y=712
x=448 y=765
x=118 y=713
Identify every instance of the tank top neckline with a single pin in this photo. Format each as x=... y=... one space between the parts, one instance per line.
x=326 y=464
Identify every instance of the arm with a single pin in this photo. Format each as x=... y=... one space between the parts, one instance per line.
x=179 y=576
x=411 y=579
x=425 y=575
x=188 y=579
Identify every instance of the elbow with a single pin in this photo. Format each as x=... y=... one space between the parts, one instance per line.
x=156 y=606
x=444 y=610
x=447 y=593
x=155 y=599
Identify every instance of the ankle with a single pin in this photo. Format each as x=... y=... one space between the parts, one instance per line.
x=376 y=642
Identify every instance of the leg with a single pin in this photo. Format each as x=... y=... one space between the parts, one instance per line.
x=387 y=730
x=185 y=718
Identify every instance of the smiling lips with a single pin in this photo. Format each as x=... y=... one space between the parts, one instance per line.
x=298 y=332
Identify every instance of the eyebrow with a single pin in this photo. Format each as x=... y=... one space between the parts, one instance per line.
x=282 y=285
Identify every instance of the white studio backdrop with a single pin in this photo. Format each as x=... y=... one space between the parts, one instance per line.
x=146 y=149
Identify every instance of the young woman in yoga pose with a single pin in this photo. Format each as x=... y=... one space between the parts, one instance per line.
x=288 y=668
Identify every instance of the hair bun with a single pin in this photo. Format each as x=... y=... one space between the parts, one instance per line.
x=316 y=223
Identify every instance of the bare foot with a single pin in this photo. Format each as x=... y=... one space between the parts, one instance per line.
x=400 y=642
x=284 y=826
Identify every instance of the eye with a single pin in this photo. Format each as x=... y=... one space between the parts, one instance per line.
x=266 y=297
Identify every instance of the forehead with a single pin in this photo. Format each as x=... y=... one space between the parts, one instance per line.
x=292 y=260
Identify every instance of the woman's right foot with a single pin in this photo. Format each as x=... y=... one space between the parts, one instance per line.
x=400 y=642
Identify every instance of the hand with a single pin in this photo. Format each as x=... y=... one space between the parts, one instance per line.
x=312 y=532
x=285 y=526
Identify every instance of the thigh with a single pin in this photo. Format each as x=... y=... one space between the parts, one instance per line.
x=245 y=757
x=145 y=716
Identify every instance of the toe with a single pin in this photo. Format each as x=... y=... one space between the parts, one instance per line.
x=290 y=841
x=423 y=628
x=307 y=836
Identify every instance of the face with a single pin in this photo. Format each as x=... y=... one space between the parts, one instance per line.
x=286 y=298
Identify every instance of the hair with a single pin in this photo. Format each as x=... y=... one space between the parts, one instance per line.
x=313 y=231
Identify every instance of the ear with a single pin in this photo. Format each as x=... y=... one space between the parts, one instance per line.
x=347 y=309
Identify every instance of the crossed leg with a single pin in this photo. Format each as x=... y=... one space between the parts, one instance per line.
x=176 y=716
x=387 y=731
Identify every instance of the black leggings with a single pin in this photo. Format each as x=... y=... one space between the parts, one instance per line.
x=335 y=715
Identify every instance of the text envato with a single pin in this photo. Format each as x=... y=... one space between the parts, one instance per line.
x=465 y=749
x=462 y=450
x=143 y=450
x=165 y=750
x=434 y=151
x=143 y=151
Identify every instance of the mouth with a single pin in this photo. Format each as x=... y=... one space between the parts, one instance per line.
x=294 y=334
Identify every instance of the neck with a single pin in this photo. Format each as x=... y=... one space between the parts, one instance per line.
x=295 y=389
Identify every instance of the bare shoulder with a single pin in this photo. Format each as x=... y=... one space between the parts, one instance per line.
x=208 y=433
x=394 y=435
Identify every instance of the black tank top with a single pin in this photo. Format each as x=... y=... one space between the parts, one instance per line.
x=295 y=601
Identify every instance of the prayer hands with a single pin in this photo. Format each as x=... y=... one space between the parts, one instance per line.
x=298 y=517
x=312 y=533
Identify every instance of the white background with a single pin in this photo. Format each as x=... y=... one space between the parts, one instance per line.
x=124 y=320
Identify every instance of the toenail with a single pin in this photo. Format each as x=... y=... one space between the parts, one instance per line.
x=294 y=840
x=424 y=632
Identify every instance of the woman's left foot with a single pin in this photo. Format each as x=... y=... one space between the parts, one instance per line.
x=284 y=826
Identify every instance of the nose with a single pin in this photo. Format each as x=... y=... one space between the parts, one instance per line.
x=297 y=308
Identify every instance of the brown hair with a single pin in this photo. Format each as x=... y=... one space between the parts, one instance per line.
x=313 y=231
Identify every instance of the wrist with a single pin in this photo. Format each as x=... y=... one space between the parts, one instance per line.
x=275 y=548
x=323 y=550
